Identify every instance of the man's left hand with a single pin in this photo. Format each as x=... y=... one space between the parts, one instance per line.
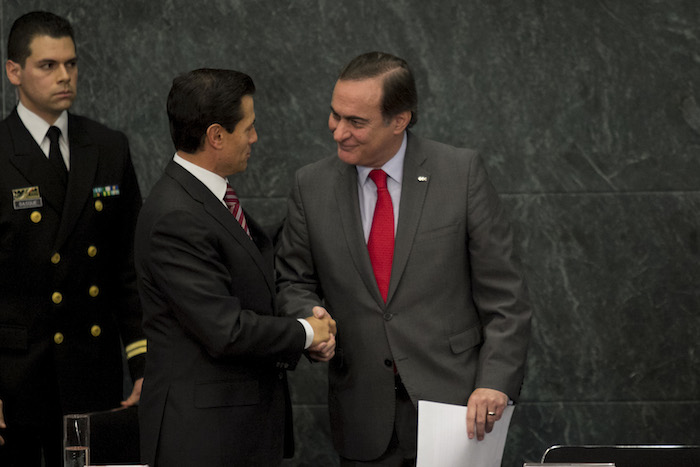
x=484 y=408
x=135 y=394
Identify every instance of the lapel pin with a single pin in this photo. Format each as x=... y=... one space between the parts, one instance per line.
x=422 y=179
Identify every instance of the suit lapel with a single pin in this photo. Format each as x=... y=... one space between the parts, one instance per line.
x=218 y=211
x=349 y=210
x=83 y=167
x=31 y=162
x=413 y=191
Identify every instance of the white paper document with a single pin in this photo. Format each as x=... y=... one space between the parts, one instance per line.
x=443 y=441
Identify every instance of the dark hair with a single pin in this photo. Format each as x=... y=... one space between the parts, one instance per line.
x=200 y=98
x=28 y=26
x=399 y=90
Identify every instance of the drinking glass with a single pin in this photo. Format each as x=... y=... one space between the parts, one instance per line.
x=76 y=440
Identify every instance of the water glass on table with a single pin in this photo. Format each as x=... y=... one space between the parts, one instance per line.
x=76 y=440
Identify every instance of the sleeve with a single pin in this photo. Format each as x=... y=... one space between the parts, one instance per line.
x=298 y=289
x=499 y=291
x=186 y=268
x=129 y=310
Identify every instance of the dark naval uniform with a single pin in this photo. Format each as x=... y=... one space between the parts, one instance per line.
x=68 y=300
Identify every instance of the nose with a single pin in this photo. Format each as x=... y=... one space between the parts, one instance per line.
x=254 y=136
x=339 y=129
x=63 y=74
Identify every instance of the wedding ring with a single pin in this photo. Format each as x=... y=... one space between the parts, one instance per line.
x=491 y=414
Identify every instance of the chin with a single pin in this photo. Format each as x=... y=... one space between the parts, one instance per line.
x=348 y=157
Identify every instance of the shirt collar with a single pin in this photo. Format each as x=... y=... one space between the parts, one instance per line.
x=393 y=167
x=38 y=127
x=215 y=183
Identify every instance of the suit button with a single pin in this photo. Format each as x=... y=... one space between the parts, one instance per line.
x=35 y=217
x=388 y=362
x=57 y=297
x=56 y=258
x=99 y=206
x=58 y=338
x=388 y=316
x=94 y=291
x=92 y=251
x=95 y=331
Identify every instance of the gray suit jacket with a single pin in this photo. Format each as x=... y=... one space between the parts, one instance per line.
x=457 y=315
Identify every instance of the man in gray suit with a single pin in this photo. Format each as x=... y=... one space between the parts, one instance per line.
x=414 y=262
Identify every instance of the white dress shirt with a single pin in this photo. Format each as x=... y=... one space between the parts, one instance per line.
x=38 y=127
x=367 y=190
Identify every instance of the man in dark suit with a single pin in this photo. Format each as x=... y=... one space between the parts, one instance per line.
x=406 y=244
x=69 y=200
x=215 y=390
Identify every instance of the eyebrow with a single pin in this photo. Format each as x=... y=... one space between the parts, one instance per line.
x=349 y=117
x=53 y=60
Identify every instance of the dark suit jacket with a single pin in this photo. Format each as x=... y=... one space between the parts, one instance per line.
x=68 y=286
x=215 y=390
x=456 y=317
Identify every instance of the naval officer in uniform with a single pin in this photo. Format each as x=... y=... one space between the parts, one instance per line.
x=69 y=200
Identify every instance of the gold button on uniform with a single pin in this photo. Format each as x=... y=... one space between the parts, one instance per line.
x=95 y=331
x=35 y=217
x=57 y=297
x=98 y=205
x=92 y=251
x=94 y=291
x=56 y=258
x=58 y=338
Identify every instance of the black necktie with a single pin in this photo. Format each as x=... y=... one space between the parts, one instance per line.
x=55 y=156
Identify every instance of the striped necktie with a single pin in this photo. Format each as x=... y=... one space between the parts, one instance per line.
x=234 y=206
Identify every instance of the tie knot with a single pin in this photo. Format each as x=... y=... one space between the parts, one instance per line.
x=53 y=134
x=378 y=176
x=230 y=198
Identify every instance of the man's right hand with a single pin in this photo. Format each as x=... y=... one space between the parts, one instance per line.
x=322 y=324
x=2 y=422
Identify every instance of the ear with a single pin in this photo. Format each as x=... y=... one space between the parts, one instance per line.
x=215 y=136
x=14 y=72
x=401 y=121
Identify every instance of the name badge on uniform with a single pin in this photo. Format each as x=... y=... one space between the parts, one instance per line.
x=105 y=191
x=26 y=198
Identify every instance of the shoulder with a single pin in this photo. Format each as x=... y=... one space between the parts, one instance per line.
x=86 y=128
x=321 y=170
x=324 y=165
x=437 y=156
x=429 y=147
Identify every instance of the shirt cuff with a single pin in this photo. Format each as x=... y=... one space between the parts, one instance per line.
x=309 y=332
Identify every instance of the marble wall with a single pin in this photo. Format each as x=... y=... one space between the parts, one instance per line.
x=588 y=118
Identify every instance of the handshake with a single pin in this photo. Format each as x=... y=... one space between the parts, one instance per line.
x=323 y=346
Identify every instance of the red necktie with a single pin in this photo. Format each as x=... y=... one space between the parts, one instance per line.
x=234 y=206
x=381 y=237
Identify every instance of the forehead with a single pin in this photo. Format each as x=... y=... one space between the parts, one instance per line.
x=357 y=97
x=44 y=47
x=247 y=107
